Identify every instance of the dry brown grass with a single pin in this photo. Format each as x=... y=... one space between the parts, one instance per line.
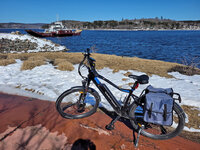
x=74 y=58
x=3 y=56
x=112 y=61
x=193 y=136
x=127 y=74
x=34 y=58
x=21 y=56
x=65 y=65
x=192 y=113
x=58 y=60
x=133 y=63
x=124 y=79
x=186 y=70
x=52 y=55
x=194 y=122
x=5 y=62
x=29 y=64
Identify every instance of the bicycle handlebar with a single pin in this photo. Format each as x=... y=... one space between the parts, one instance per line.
x=91 y=68
x=90 y=62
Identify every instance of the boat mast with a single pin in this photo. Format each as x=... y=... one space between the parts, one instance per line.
x=57 y=17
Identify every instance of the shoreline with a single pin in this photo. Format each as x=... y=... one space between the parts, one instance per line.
x=116 y=29
x=21 y=28
x=143 y=29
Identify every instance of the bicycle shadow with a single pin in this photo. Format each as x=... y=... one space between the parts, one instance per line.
x=113 y=115
x=125 y=121
x=35 y=131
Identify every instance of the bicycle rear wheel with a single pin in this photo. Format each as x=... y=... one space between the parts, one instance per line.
x=74 y=104
x=154 y=131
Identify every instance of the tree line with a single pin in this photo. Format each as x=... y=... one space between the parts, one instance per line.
x=135 y=24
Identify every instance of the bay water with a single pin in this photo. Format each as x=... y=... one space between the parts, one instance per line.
x=172 y=46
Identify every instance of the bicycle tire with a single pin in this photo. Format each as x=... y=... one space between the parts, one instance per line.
x=159 y=135
x=72 y=104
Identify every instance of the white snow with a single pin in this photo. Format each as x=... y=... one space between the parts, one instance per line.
x=191 y=129
x=41 y=42
x=51 y=83
x=186 y=118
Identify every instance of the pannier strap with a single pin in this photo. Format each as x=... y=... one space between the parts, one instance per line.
x=150 y=110
x=165 y=112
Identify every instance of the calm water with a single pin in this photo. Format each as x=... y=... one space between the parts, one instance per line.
x=170 y=46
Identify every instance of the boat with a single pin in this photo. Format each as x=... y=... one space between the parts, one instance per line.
x=55 y=30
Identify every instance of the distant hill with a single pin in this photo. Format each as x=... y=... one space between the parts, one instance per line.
x=134 y=24
x=13 y=25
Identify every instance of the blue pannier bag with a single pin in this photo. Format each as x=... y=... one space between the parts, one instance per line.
x=158 y=106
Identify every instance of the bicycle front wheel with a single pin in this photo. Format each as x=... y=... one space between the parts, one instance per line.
x=154 y=131
x=75 y=104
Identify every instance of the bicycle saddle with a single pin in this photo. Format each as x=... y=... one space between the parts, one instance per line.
x=143 y=79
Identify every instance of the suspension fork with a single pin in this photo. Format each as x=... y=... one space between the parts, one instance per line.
x=85 y=84
x=81 y=101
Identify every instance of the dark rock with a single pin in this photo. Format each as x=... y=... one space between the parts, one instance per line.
x=18 y=45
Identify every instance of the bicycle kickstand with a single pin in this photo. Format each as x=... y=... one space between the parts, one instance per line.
x=111 y=125
x=138 y=135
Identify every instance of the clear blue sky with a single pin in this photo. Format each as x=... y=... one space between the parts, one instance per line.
x=45 y=11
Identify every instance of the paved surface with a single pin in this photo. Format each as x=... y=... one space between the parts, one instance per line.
x=28 y=123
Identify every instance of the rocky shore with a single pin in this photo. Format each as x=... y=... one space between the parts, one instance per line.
x=17 y=43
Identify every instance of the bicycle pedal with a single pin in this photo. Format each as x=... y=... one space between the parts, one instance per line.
x=110 y=127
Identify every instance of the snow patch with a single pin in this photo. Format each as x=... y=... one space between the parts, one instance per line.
x=51 y=82
x=191 y=129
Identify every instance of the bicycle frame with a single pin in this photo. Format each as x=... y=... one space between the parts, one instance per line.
x=119 y=109
x=127 y=110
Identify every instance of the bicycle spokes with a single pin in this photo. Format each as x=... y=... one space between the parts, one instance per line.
x=78 y=103
x=163 y=130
